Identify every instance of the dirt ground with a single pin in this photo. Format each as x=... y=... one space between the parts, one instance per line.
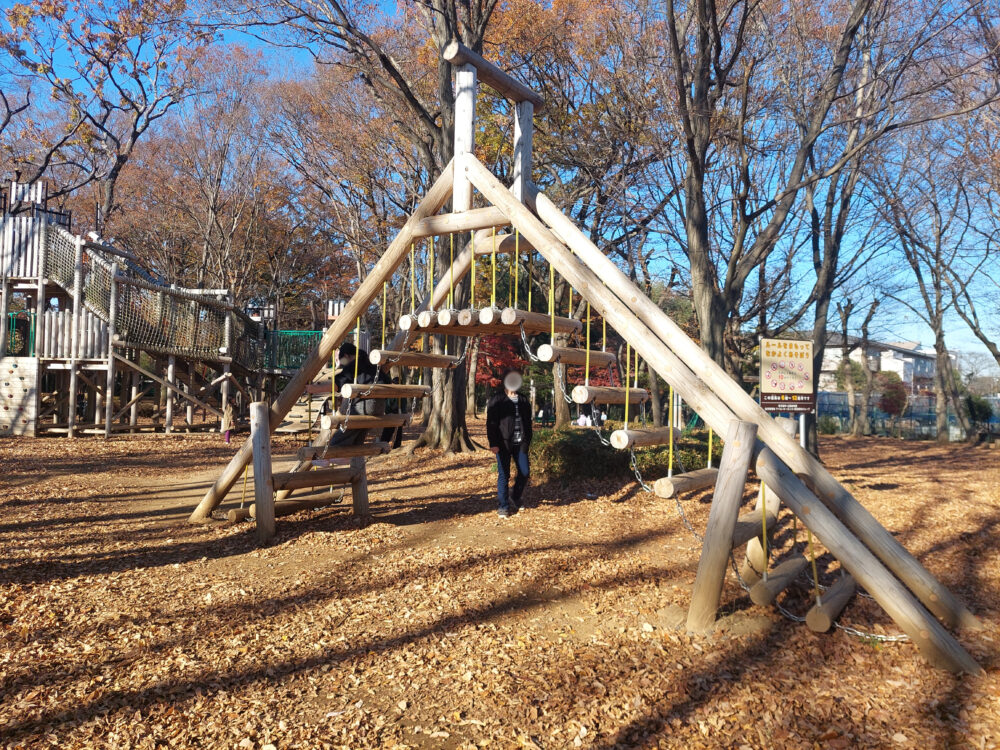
x=438 y=624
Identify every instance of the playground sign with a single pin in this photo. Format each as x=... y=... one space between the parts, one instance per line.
x=786 y=376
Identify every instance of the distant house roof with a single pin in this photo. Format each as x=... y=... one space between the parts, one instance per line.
x=910 y=348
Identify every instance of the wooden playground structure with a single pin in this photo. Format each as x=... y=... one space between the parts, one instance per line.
x=513 y=220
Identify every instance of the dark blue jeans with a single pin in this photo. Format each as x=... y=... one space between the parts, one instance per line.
x=503 y=477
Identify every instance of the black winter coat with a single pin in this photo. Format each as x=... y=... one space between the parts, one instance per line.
x=367 y=373
x=500 y=421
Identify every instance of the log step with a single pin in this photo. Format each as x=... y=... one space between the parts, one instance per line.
x=314 y=452
x=820 y=618
x=383 y=390
x=295 y=480
x=766 y=590
x=591 y=394
x=578 y=357
x=319 y=389
x=535 y=322
x=749 y=526
x=388 y=358
x=699 y=479
x=625 y=439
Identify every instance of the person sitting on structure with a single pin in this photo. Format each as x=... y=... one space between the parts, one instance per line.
x=353 y=366
x=508 y=429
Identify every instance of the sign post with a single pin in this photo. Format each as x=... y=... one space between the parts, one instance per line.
x=786 y=379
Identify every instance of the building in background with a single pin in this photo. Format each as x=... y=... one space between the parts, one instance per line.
x=915 y=364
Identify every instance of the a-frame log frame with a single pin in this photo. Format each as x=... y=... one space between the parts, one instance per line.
x=367 y=292
x=935 y=643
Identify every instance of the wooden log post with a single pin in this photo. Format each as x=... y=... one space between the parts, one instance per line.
x=109 y=406
x=368 y=291
x=623 y=313
x=766 y=590
x=718 y=543
x=359 y=487
x=40 y=322
x=133 y=416
x=168 y=419
x=4 y=304
x=524 y=112
x=821 y=616
x=75 y=333
x=263 y=490
x=466 y=87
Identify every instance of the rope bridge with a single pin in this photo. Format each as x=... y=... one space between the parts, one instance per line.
x=151 y=315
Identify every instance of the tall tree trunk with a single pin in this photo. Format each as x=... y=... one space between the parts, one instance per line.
x=655 y=399
x=470 y=381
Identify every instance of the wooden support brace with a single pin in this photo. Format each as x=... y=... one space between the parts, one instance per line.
x=748 y=527
x=170 y=386
x=733 y=468
x=466 y=221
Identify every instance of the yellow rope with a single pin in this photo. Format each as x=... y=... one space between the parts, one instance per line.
x=763 y=524
x=628 y=364
x=604 y=334
x=552 y=303
x=246 y=471
x=493 y=263
x=413 y=278
x=385 y=291
x=517 y=265
x=670 y=433
x=586 y=372
x=710 y=447
x=812 y=559
x=430 y=290
x=531 y=273
x=472 y=301
x=451 y=282
x=357 y=347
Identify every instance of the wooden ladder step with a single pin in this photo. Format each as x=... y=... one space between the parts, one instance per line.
x=594 y=394
x=388 y=358
x=625 y=439
x=295 y=480
x=383 y=390
x=820 y=618
x=366 y=421
x=578 y=357
x=689 y=481
x=315 y=452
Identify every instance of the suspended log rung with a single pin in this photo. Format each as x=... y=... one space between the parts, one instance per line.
x=766 y=590
x=592 y=394
x=820 y=618
x=690 y=481
x=625 y=439
x=388 y=358
x=383 y=390
x=576 y=357
x=295 y=480
x=535 y=322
